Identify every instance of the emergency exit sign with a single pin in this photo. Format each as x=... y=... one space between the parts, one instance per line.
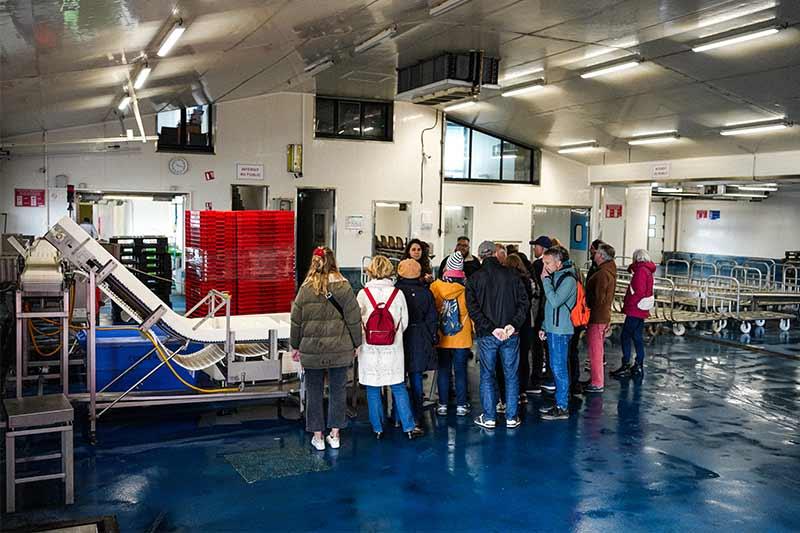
x=613 y=210
x=29 y=197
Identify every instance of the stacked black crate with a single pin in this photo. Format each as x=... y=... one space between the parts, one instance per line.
x=149 y=259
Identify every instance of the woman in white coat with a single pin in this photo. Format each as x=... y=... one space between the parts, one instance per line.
x=381 y=365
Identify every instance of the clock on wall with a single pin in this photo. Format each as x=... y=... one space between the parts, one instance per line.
x=178 y=166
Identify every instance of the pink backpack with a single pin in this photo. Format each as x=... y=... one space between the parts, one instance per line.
x=380 y=329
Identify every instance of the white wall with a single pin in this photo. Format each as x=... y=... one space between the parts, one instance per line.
x=755 y=229
x=637 y=205
x=257 y=131
x=612 y=230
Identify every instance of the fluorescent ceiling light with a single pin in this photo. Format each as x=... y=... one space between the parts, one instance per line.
x=654 y=133
x=387 y=204
x=586 y=146
x=141 y=78
x=461 y=105
x=743 y=195
x=521 y=73
x=656 y=138
x=749 y=36
x=608 y=69
x=444 y=7
x=318 y=66
x=174 y=34
x=755 y=121
x=376 y=39
x=126 y=197
x=669 y=189
x=766 y=187
x=756 y=128
x=123 y=104
x=524 y=89
x=734 y=14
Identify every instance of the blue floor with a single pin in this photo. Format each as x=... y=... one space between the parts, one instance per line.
x=708 y=440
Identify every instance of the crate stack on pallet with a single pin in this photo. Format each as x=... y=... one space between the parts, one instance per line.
x=248 y=254
x=210 y=256
x=265 y=255
x=149 y=259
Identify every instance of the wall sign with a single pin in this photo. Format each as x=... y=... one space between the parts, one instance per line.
x=714 y=215
x=660 y=171
x=29 y=197
x=354 y=223
x=249 y=172
x=701 y=214
x=209 y=206
x=613 y=210
x=209 y=174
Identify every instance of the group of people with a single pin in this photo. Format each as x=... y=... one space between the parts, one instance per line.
x=525 y=317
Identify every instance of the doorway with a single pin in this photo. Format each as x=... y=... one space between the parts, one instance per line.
x=248 y=197
x=316 y=224
x=457 y=223
x=570 y=225
x=391 y=228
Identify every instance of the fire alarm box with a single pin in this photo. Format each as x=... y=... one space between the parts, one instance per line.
x=294 y=158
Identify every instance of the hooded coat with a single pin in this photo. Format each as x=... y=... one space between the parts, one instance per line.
x=420 y=338
x=641 y=286
x=379 y=366
x=443 y=290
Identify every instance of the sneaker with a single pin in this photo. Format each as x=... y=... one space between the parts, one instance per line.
x=462 y=410
x=441 y=410
x=545 y=408
x=623 y=370
x=333 y=442
x=484 y=423
x=501 y=407
x=513 y=422
x=637 y=370
x=592 y=389
x=549 y=387
x=415 y=433
x=533 y=390
x=318 y=444
x=555 y=413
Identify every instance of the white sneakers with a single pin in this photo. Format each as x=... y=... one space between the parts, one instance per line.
x=462 y=410
x=441 y=410
x=319 y=444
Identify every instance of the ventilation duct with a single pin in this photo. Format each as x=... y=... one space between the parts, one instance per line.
x=447 y=77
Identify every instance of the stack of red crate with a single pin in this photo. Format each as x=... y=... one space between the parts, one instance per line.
x=265 y=255
x=210 y=256
x=248 y=254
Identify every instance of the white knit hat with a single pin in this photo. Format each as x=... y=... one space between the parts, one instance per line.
x=454 y=268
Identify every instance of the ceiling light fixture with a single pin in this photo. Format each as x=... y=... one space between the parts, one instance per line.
x=735 y=39
x=124 y=103
x=669 y=189
x=318 y=66
x=756 y=128
x=524 y=89
x=654 y=138
x=585 y=146
x=443 y=7
x=460 y=105
x=376 y=39
x=174 y=34
x=743 y=195
x=734 y=14
x=521 y=73
x=766 y=187
x=141 y=78
x=611 y=68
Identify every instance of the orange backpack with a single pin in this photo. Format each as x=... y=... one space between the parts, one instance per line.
x=579 y=315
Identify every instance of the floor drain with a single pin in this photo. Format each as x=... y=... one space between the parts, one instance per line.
x=274 y=463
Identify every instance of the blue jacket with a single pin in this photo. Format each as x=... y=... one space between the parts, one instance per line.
x=560 y=301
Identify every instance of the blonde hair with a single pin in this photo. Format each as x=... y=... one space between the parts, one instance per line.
x=323 y=270
x=380 y=268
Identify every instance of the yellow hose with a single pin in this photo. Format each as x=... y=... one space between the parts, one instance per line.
x=164 y=358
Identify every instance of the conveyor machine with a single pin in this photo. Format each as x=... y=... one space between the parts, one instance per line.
x=244 y=354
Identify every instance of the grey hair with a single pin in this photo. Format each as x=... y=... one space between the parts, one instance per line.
x=558 y=252
x=606 y=251
x=640 y=256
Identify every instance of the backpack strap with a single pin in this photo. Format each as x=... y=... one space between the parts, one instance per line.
x=371 y=299
x=388 y=303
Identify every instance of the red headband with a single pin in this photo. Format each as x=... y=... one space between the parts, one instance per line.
x=319 y=251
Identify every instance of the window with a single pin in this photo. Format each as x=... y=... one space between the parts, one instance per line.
x=474 y=155
x=338 y=118
x=187 y=129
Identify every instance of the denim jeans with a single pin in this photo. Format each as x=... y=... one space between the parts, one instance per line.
x=632 y=330
x=417 y=393
x=452 y=360
x=337 y=401
x=402 y=407
x=508 y=351
x=558 y=344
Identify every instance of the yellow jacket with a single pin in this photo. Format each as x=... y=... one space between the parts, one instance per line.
x=442 y=291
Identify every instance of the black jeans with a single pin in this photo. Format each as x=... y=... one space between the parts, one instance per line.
x=539 y=359
x=337 y=398
x=574 y=359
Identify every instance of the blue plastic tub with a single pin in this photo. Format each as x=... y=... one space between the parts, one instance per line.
x=119 y=349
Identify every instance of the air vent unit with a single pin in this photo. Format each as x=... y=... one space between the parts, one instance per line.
x=447 y=77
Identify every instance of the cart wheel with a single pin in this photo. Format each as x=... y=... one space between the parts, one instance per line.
x=785 y=324
x=679 y=329
x=693 y=324
x=760 y=323
x=716 y=326
x=745 y=327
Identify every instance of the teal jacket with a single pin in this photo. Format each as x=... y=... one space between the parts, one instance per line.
x=560 y=298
